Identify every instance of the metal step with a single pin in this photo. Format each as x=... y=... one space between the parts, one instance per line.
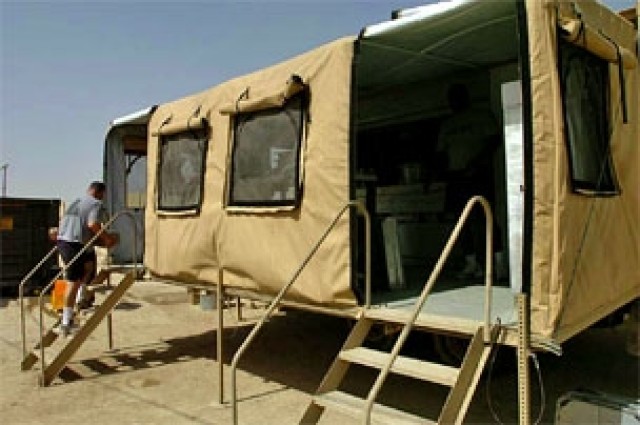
x=32 y=357
x=443 y=324
x=92 y=322
x=380 y=414
x=406 y=366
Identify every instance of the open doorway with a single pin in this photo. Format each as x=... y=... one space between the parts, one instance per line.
x=125 y=174
x=429 y=136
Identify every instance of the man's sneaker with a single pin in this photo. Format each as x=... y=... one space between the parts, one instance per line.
x=67 y=330
x=85 y=300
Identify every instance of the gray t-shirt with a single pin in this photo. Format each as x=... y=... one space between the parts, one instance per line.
x=74 y=226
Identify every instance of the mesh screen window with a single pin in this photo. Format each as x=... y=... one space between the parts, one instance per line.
x=585 y=99
x=136 y=180
x=266 y=156
x=181 y=171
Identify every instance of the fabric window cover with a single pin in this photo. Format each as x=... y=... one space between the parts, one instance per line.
x=265 y=162
x=585 y=98
x=181 y=171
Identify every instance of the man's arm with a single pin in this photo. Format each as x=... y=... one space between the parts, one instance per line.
x=105 y=239
x=94 y=224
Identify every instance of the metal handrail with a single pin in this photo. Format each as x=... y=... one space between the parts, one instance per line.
x=375 y=389
x=276 y=301
x=21 y=295
x=66 y=266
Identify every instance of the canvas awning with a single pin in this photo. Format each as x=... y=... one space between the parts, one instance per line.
x=139 y=117
x=425 y=42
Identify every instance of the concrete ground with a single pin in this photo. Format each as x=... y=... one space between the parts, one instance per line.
x=163 y=369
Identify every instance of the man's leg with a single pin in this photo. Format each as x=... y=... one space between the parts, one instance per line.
x=82 y=296
x=68 y=251
x=70 y=302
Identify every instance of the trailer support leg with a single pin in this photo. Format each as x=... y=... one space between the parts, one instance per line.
x=109 y=320
x=524 y=399
x=220 y=339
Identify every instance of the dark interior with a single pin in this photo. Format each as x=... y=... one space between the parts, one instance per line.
x=403 y=75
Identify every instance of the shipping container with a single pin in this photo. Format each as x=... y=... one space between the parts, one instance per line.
x=24 y=226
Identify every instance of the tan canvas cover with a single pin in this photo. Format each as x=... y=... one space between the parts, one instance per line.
x=256 y=249
x=585 y=249
x=585 y=255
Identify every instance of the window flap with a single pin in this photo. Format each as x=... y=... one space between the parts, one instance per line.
x=182 y=126
x=575 y=31
x=293 y=86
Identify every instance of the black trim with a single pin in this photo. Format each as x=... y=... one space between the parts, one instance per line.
x=353 y=150
x=527 y=127
x=623 y=89
x=621 y=80
x=304 y=116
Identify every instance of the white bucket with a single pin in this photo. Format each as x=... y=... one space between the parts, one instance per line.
x=208 y=300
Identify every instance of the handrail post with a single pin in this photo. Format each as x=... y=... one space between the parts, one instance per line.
x=276 y=301
x=375 y=389
x=64 y=269
x=21 y=297
x=488 y=275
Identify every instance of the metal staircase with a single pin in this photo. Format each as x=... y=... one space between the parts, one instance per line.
x=67 y=347
x=61 y=350
x=462 y=380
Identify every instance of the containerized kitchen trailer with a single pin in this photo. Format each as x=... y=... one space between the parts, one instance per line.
x=249 y=184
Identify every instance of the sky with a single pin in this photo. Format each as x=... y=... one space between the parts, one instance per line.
x=70 y=67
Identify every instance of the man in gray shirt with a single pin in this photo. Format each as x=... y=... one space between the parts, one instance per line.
x=82 y=220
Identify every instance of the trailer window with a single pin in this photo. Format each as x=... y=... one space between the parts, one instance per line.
x=136 y=180
x=265 y=169
x=181 y=171
x=585 y=97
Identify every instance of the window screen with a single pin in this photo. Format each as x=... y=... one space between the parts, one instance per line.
x=181 y=171
x=266 y=156
x=136 y=180
x=585 y=97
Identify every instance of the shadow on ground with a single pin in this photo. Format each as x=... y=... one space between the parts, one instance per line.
x=295 y=350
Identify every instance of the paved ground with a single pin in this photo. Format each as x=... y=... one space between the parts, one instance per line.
x=164 y=369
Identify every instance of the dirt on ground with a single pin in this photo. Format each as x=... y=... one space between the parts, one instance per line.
x=163 y=369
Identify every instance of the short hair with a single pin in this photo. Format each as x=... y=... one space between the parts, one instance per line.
x=98 y=186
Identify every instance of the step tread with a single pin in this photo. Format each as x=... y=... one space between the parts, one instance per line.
x=446 y=324
x=73 y=343
x=380 y=414
x=406 y=366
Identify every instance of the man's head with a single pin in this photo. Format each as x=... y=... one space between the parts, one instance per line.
x=458 y=97
x=97 y=190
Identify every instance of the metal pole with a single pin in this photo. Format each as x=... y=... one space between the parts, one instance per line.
x=220 y=338
x=109 y=323
x=239 y=309
x=524 y=399
x=271 y=308
x=4 y=179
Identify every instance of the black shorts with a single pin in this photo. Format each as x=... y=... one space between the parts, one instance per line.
x=68 y=250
